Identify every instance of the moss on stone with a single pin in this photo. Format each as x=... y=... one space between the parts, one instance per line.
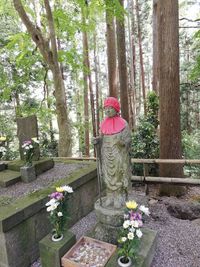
x=16 y=164
x=39 y=195
x=4 y=200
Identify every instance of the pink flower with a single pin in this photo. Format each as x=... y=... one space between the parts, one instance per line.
x=56 y=195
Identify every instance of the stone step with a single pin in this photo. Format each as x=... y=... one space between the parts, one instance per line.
x=8 y=177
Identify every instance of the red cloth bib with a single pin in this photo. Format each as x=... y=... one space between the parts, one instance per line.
x=112 y=125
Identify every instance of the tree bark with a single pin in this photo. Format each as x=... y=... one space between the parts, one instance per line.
x=141 y=57
x=132 y=66
x=155 y=48
x=51 y=59
x=86 y=104
x=122 y=66
x=96 y=69
x=168 y=79
x=111 y=51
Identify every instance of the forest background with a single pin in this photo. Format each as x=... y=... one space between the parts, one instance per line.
x=60 y=59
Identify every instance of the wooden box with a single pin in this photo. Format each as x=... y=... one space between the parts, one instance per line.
x=88 y=252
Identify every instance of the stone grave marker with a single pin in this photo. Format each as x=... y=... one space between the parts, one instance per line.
x=27 y=128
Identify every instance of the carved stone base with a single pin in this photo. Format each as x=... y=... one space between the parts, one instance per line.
x=109 y=222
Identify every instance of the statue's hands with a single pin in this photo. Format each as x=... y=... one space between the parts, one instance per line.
x=96 y=140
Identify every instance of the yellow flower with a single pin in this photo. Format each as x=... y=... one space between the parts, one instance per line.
x=131 y=204
x=2 y=138
x=59 y=189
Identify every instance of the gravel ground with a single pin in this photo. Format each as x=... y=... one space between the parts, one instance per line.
x=178 y=240
x=59 y=171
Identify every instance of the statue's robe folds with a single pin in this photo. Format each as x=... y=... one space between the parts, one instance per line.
x=116 y=161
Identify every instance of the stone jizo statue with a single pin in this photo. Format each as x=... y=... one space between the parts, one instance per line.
x=115 y=142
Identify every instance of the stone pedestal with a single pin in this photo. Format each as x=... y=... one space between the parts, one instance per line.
x=145 y=252
x=28 y=174
x=109 y=222
x=51 y=252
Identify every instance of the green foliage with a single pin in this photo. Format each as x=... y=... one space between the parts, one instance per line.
x=191 y=150
x=145 y=143
x=195 y=72
x=48 y=146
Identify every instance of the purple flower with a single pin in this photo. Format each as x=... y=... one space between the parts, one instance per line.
x=135 y=216
x=56 y=195
x=28 y=142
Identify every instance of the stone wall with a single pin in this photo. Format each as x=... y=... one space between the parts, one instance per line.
x=24 y=223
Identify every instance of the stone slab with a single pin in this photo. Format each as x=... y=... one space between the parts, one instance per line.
x=8 y=177
x=41 y=165
x=51 y=252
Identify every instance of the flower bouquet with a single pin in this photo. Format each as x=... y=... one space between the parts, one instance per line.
x=57 y=208
x=131 y=233
x=29 y=147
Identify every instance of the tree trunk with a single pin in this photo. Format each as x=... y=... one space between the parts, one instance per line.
x=51 y=59
x=86 y=104
x=111 y=51
x=96 y=69
x=155 y=48
x=168 y=63
x=121 y=49
x=132 y=67
x=141 y=57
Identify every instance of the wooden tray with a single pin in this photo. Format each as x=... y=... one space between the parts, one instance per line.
x=82 y=247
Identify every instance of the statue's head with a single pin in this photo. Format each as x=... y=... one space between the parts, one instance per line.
x=111 y=106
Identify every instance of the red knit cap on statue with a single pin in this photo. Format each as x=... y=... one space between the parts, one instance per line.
x=114 y=124
x=112 y=102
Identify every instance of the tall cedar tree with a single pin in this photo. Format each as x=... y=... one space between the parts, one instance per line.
x=85 y=78
x=48 y=49
x=155 y=47
x=141 y=56
x=121 y=50
x=111 y=50
x=168 y=80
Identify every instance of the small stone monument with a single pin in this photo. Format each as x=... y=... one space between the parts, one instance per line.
x=115 y=142
x=27 y=128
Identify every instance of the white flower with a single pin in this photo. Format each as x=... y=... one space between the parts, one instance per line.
x=51 y=202
x=139 y=233
x=135 y=224
x=35 y=140
x=30 y=146
x=130 y=236
x=132 y=230
x=123 y=239
x=145 y=210
x=27 y=147
x=126 y=216
x=126 y=224
x=53 y=207
x=67 y=188
x=60 y=214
